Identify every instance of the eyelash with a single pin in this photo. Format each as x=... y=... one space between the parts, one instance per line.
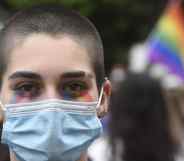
x=33 y=89
x=78 y=87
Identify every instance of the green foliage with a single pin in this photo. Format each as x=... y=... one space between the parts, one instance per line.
x=84 y=6
x=120 y=22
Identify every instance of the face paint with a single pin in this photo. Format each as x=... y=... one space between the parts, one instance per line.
x=85 y=96
x=13 y=99
x=77 y=96
x=19 y=97
x=67 y=96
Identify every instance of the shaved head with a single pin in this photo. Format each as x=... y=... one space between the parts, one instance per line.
x=54 y=21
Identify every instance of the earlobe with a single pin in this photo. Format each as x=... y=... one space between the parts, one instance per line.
x=1 y=112
x=107 y=88
x=2 y=109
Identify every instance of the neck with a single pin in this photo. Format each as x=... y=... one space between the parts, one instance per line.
x=83 y=157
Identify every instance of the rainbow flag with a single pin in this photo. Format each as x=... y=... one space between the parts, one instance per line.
x=166 y=42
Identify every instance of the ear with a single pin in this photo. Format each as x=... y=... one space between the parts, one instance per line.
x=104 y=105
x=1 y=113
x=1 y=116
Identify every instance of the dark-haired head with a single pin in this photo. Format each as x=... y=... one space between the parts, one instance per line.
x=139 y=119
x=54 y=21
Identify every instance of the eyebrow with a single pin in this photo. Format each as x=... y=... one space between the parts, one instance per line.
x=76 y=74
x=32 y=75
x=24 y=74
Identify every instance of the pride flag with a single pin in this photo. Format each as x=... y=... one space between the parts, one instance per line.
x=166 y=42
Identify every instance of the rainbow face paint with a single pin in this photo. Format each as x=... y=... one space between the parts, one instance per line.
x=85 y=96
x=20 y=96
x=78 y=96
x=76 y=90
x=19 y=99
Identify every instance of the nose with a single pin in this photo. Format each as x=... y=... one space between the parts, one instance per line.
x=50 y=93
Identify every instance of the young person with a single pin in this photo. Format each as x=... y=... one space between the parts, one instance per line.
x=52 y=84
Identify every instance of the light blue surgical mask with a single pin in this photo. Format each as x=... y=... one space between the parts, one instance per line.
x=50 y=130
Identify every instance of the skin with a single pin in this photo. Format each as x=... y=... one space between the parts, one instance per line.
x=50 y=63
x=176 y=114
x=175 y=104
x=1 y=115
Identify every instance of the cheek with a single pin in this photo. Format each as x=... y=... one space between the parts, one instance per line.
x=90 y=95
x=8 y=96
x=85 y=96
x=16 y=98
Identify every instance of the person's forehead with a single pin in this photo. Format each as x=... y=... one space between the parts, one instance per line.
x=41 y=52
x=45 y=42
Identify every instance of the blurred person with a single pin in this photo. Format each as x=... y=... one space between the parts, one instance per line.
x=116 y=75
x=52 y=85
x=139 y=124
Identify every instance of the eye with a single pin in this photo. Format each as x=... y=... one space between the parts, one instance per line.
x=74 y=89
x=27 y=89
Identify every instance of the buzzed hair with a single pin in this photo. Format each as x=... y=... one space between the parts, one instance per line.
x=54 y=21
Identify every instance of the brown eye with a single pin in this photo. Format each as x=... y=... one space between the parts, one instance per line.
x=74 y=88
x=27 y=89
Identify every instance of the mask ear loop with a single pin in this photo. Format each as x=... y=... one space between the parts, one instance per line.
x=100 y=97
x=101 y=94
